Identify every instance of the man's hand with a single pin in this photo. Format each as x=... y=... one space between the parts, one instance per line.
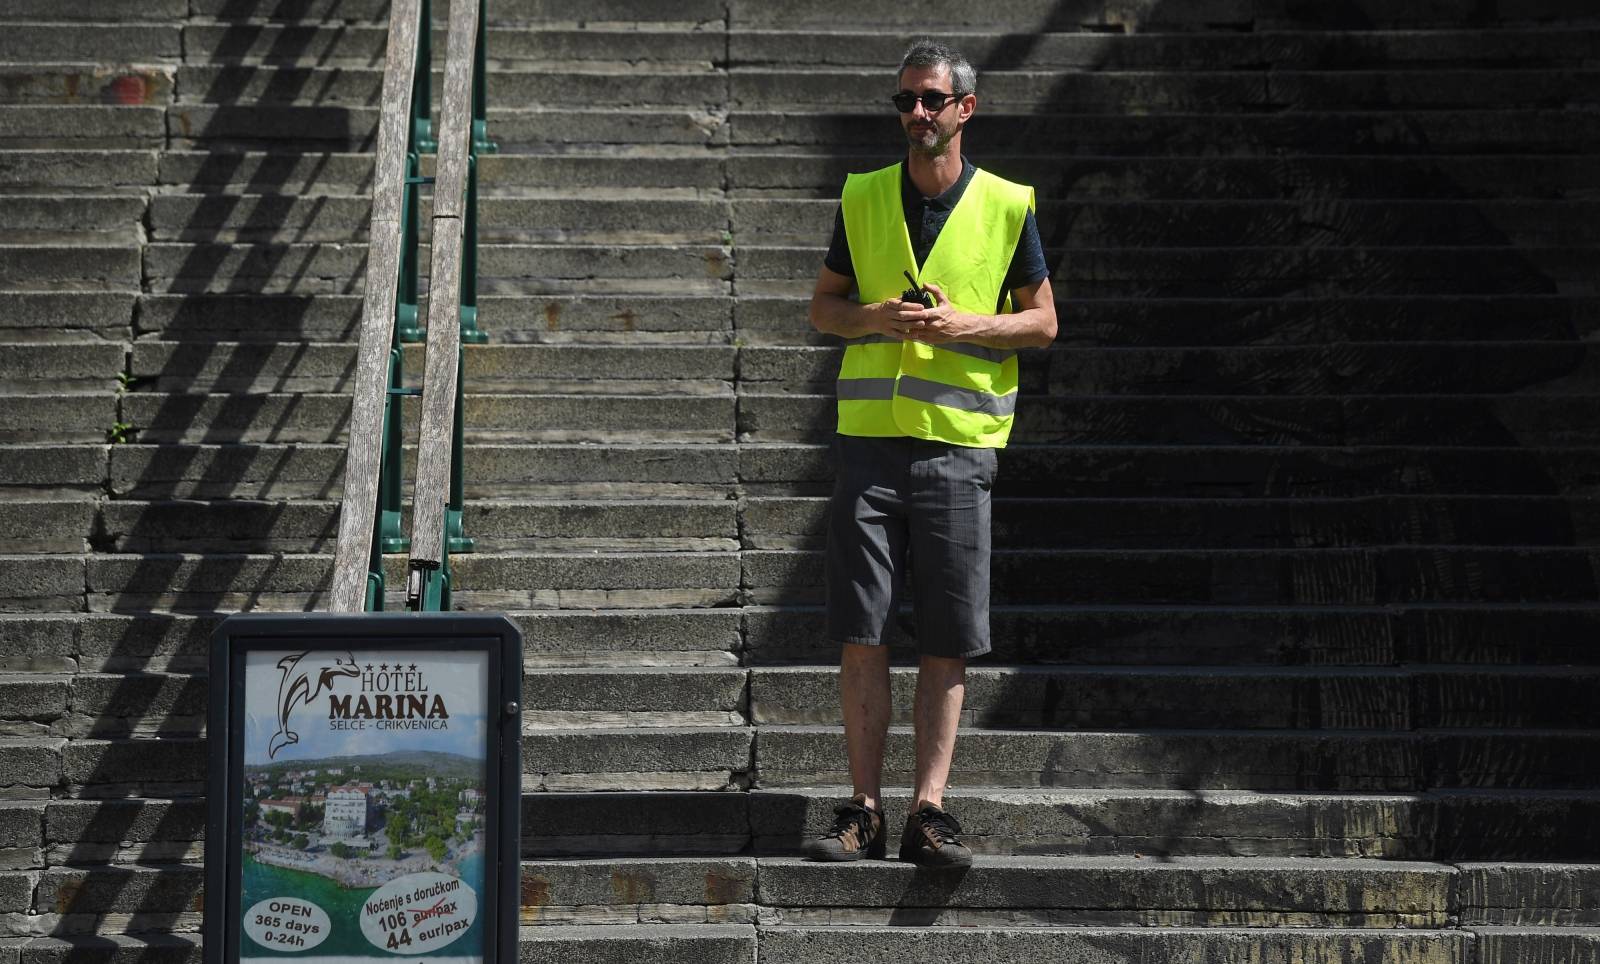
x=935 y=325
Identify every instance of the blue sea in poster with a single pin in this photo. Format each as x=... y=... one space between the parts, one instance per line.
x=343 y=906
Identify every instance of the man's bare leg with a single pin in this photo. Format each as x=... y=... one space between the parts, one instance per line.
x=864 y=698
x=941 y=686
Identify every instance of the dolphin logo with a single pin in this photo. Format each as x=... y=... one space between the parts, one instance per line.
x=305 y=677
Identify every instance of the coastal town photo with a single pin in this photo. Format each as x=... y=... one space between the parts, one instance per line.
x=362 y=823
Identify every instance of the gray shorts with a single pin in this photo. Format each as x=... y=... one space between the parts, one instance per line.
x=900 y=497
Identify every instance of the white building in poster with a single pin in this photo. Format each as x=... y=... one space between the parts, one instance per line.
x=347 y=813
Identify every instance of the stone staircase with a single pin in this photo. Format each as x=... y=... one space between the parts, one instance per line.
x=1296 y=592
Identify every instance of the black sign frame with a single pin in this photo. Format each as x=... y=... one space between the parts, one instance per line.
x=492 y=634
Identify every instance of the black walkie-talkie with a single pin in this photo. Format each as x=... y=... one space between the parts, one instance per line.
x=915 y=293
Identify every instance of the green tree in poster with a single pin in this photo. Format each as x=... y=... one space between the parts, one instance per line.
x=436 y=848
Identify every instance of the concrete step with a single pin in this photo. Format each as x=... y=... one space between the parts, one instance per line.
x=286 y=218
x=63 y=526
x=99 y=11
x=665 y=167
x=1097 y=634
x=651 y=313
x=1375 y=368
x=648 y=316
x=848 y=46
x=88 y=43
x=65 y=167
x=348 y=127
x=101 y=214
x=703 y=14
x=791 y=221
x=1186 y=91
x=537 y=580
x=575 y=369
x=817 y=173
x=165 y=704
x=1043 y=16
x=1254 y=577
x=1100 y=699
x=808 y=943
x=1257 y=270
x=65 y=642
x=637 y=758
x=645 y=470
x=629 y=470
x=307 y=43
x=90 y=83
x=792 y=944
x=595 y=87
x=1304 y=521
x=38 y=419
x=1222 y=221
x=1365 y=420
x=1140 y=636
x=1119 y=891
x=1430 y=132
x=67 y=266
x=300 y=526
x=1448 y=132
x=1131 y=697
x=1460 y=825
x=53 y=471
x=335 y=268
x=80 y=126
x=61 y=367
x=1269 y=760
x=306 y=417
x=1016 y=891
x=1436 y=825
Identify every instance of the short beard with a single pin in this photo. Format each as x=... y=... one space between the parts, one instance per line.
x=939 y=147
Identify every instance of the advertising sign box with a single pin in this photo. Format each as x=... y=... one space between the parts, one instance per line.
x=364 y=789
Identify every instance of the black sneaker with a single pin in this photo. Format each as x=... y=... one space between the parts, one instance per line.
x=857 y=832
x=930 y=840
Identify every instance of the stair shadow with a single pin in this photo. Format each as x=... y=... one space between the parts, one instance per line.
x=1280 y=300
x=173 y=773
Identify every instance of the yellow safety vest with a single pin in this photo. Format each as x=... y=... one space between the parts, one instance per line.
x=957 y=392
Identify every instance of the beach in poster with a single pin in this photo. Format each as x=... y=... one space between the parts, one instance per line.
x=364 y=805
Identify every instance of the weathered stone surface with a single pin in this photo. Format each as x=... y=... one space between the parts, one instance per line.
x=639 y=944
x=100 y=890
x=154 y=948
x=1021 y=945
x=93 y=762
x=1127 y=890
x=114 y=821
x=31 y=762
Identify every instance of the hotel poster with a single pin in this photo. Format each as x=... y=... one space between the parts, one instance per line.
x=363 y=797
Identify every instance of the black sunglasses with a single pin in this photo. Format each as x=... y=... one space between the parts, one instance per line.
x=933 y=101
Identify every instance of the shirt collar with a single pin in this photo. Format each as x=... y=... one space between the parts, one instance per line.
x=946 y=201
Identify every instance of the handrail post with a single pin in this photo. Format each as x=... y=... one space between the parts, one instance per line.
x=480 y=87
x=455 y=536
x=422 y=140
x=408 y=318
x=471 y=334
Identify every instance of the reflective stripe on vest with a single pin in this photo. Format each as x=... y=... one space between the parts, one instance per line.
x=957 y=392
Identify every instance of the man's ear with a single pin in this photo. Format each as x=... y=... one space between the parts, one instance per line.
x=968 y=105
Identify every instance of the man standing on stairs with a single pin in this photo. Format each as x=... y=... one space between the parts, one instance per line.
x=925 y=394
